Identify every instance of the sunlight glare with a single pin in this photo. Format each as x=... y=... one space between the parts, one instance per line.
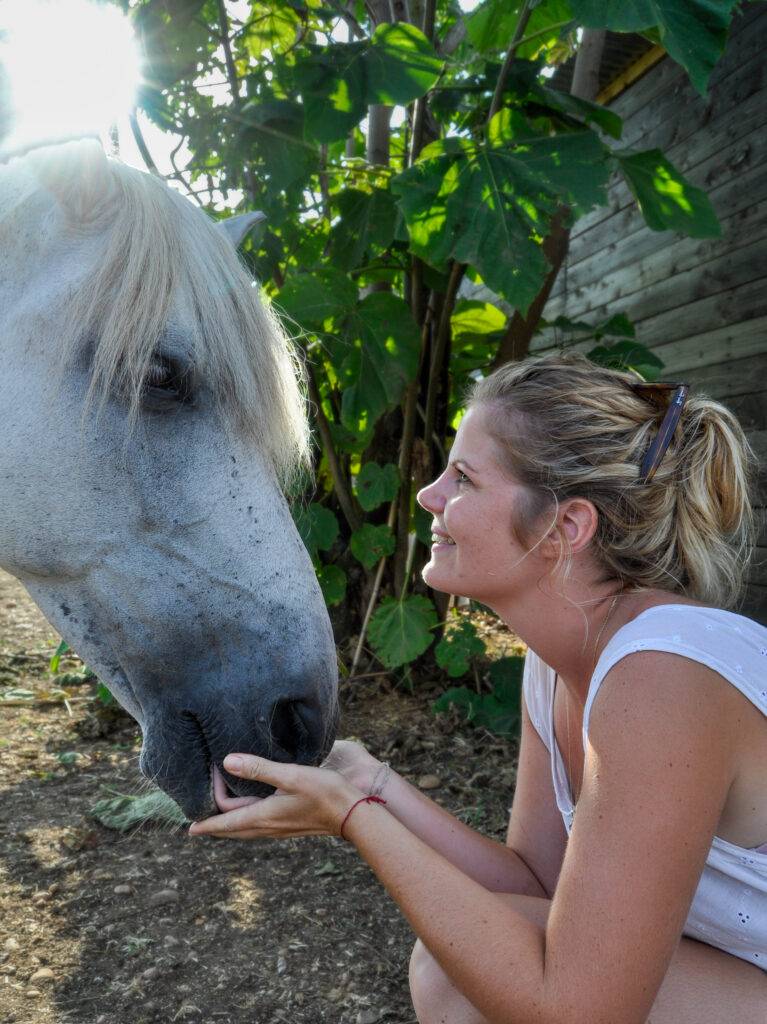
x=72 y=68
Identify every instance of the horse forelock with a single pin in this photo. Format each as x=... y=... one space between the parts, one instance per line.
x=158 y=258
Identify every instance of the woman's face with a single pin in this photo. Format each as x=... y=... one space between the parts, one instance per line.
x=474 y=504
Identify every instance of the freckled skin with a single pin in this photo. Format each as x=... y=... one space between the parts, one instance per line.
x=168 y=558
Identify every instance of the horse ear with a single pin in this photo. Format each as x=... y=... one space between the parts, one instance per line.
x=237 y=228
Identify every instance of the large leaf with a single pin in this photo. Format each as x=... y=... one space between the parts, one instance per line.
x=401 y=64
x=383 y=345
x=694 y=32
x=401 y=630
x=498 y=711
x=458 y=648
x=666 y=198
x=318 y=527
x=311 y=299
x=371 y=543
x=274 y=134
x=332 y=580
x=473 y=320
x=492 y=24
x=491 y=204
x=367 y=220
x=271 y=27
x=376 y=484
x=339 y=82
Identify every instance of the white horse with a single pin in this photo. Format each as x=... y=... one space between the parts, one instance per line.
x=150 y=418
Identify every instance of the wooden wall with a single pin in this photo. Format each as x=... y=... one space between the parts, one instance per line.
x=701 y=305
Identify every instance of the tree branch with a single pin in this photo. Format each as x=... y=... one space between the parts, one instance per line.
x=500 y=85
x=234 y=85
x=345 y=497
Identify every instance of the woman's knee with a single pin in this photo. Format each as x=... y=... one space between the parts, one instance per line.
x=435 y=999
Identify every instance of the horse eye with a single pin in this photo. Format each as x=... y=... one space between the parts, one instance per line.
x=165 y=379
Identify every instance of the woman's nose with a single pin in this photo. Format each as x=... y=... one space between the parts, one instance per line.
x=430 y=497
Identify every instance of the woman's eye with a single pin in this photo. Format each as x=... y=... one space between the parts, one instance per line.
x=462 y=478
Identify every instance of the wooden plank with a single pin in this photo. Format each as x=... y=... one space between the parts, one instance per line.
x=690 y=355
x=731 y=378
x=640 y=66
x=745 y=41
x=627 y=291
x=758 y=441
x=620 y=271
x=739 y=200
x=755 y=603
x=679 y=138
x=757 y=572
x=659 y=123
x=730 y=196
x=700 y=159
x=761 y=527
x=735 y=341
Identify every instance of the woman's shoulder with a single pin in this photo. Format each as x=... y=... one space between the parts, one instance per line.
x=694 y=623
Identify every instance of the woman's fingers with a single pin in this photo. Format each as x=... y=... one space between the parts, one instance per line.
x=259 y=769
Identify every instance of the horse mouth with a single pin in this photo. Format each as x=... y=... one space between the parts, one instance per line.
x=223 y=797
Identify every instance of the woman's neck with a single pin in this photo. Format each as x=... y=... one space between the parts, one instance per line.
x=570 y=635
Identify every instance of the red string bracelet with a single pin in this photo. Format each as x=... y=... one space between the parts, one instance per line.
x=362 y=800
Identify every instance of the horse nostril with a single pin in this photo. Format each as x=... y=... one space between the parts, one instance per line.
x=289 y=728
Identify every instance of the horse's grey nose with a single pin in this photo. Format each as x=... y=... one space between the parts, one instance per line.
x=297 y=728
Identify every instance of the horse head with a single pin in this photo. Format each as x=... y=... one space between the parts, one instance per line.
x=152 y=418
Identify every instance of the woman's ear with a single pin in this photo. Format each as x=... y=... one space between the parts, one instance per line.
x=578 y=520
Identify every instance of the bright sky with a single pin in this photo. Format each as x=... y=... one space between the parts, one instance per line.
x=72 y=66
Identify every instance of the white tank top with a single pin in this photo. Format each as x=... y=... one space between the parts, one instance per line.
x=729 y=909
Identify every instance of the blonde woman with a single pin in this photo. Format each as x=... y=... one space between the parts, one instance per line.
x=609 y=524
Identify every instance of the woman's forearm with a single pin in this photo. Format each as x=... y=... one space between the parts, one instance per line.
x=493 y=865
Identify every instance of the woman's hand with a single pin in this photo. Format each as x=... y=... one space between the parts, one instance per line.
x=308 y=802
x=353 y=761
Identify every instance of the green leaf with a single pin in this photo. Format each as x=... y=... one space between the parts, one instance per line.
x=371 y=543
x=491 y=204
x=104 y=696
x=376 y=484
x=338 y=82
x=666 y=198
x=273 y=131
x=628 y=355
x=401 y=630
x=498 y=711
x=383 y=343
x=694 y=32
x=317 y=526
x=53 y=664
x=124 y=812
x=67 y=757
x=458 y=647
x=332 y=580
x=401 y=64
x=367 y=221
x=422 y=521
x=333 y=87
x=270 y=27
x=491 y=25
x=312 y=299
x=473 y=321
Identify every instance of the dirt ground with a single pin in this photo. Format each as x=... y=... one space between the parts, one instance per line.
x=101 y=927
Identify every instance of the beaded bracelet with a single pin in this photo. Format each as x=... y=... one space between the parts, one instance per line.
x=377 y=788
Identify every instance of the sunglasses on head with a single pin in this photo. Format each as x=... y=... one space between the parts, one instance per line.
x=658 y=394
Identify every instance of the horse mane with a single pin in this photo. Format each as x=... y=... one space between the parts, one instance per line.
x=158 y=247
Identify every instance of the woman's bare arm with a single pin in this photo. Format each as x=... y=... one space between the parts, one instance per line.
x=499 y=868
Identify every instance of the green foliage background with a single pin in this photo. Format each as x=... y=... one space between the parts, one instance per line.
x=374 y=222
